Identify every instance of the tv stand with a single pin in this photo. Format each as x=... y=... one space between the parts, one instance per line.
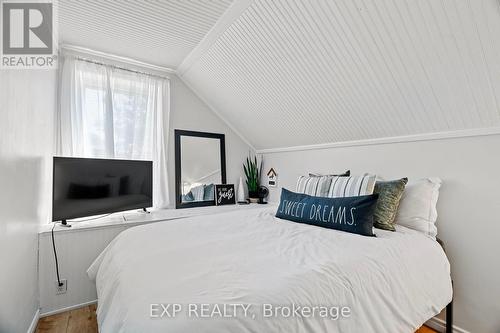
x=64 y=223
x=146 y=211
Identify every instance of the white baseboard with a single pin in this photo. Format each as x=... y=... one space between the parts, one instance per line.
x=34 y=322
x=440 y=326
x=53 y=312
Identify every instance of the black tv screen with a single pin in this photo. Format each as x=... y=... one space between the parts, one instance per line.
x=87 y=186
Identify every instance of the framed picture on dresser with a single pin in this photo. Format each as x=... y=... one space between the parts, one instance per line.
x=224 y=194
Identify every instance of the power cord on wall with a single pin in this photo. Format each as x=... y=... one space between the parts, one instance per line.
x=59 y=283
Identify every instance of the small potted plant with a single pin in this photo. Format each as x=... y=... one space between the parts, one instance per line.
x=252 y=173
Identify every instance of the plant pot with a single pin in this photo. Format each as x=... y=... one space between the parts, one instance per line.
x=253 y=196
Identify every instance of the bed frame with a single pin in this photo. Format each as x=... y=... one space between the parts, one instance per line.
x=449 y=307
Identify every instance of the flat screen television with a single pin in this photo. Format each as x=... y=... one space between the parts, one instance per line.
x=88 y=186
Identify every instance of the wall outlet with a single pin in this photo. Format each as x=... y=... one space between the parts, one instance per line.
x=62 y=289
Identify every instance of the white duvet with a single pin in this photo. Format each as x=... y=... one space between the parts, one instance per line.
x=390 y=283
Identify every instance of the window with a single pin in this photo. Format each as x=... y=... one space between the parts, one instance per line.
x=107 y=112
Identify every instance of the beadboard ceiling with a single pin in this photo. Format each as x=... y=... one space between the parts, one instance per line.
x=161 y=32
x=290 y=72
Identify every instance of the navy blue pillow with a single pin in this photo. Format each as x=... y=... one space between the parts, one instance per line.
x=351 y=214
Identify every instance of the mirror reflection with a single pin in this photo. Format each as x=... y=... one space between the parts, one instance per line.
x=201 y=168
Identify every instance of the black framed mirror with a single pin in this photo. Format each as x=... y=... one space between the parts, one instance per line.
x=200 y=163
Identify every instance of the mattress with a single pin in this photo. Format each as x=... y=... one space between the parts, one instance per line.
x=248 y=271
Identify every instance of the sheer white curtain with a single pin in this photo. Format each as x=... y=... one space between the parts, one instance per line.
x=109 y=112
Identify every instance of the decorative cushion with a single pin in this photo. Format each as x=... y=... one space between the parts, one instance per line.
x=187 y=197
x=350 y=214
x=417 y=207
x=316 y=184
x=390 y=193
x=208 y=194
x=198 y=192
x=351 y=186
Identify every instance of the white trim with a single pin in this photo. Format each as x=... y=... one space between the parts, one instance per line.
x=34 y=322
x=69 y=308
x=233 y=12
x=439 y=325
x=113 y=57
x=396 y=139
x=214 y=110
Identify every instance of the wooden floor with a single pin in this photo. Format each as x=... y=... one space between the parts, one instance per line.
x=83 y=320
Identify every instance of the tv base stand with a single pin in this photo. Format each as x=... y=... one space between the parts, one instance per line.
x=64 y=223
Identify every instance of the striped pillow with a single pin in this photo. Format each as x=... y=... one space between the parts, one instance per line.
x=198 y=192
x=351 y=186
x=315 y=186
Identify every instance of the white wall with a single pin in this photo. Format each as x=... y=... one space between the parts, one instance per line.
x=188 y=112
x=468 y=206
x=26 y=126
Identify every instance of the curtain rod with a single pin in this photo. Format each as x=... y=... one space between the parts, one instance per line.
x=102 y=63
x=113 y=57
x=110 y=59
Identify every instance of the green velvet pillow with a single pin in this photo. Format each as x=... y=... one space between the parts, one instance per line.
x=390 y=193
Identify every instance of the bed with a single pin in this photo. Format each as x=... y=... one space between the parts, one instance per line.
x=390 y=283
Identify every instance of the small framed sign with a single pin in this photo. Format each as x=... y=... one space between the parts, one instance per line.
x=272 y=177
x=224 y=195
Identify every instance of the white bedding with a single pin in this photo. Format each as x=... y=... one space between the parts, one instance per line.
x=391 y=283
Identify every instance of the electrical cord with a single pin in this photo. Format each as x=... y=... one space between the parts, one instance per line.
x=59 y=283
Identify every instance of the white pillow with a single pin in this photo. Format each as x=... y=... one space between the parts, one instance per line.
x=417 y=208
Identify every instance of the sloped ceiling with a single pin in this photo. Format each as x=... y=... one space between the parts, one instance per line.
x=287 y=73
x=158 y=32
